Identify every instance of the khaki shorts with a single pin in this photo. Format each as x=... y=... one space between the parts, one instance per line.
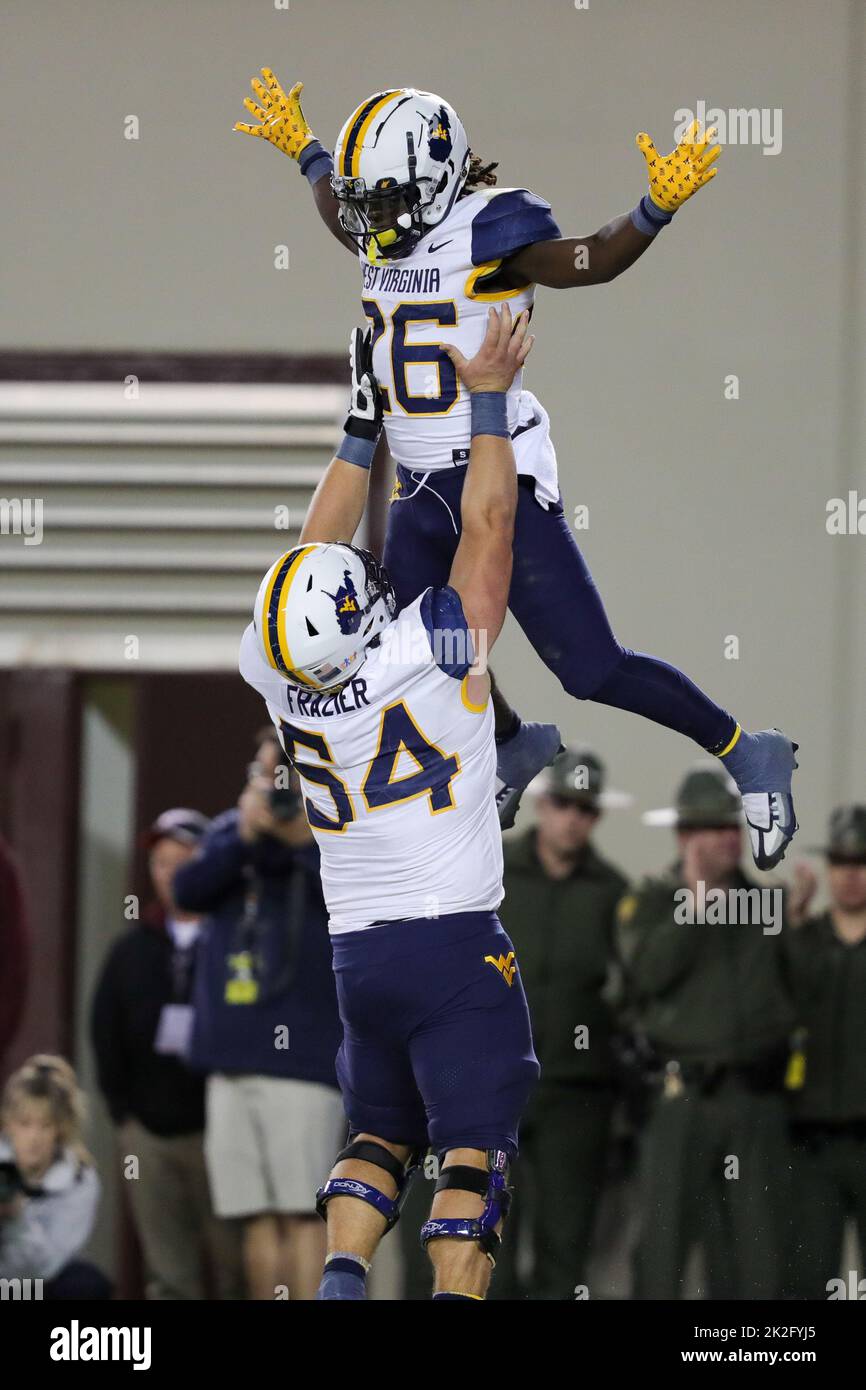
x=270 y=1142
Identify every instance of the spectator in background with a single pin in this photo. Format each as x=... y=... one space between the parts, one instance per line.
x=49 y=1190
x=560 y=912
x=827 y=960
x=709 y=999
x=141 y=1025
x=14 y=948
x=266 y=1028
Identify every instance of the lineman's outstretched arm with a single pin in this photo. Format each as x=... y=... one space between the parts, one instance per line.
x=280 y=120
x=337 y=505
x=335 y=512
x=481 y=569
x=569 y=262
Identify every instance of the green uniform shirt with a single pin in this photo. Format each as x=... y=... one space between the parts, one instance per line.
x=829 y=982
x=702 y=993
x=563 y=934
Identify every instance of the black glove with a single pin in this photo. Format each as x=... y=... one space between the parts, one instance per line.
x=364 y=420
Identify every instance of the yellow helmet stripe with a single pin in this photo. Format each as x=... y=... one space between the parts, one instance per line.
x=351 y=127
x=357 y=130
x=273 y=631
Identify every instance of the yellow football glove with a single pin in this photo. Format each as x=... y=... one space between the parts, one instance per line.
x=674 y=178
x=282 y=121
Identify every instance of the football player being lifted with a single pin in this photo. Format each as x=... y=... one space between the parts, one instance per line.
x=438 y=243
x=386 y=714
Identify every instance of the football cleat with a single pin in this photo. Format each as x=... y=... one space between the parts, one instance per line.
x=520 y=759
x=772 y=825
x=762 y=765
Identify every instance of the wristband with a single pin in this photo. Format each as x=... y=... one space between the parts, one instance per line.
x=649 y=218
x=489 y=413
x=357 y=451
x=315 y=162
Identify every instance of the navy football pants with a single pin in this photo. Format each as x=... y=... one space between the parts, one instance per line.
x=554 y=599
x=437 y=1045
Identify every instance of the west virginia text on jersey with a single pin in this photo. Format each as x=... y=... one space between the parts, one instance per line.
x=441 y=292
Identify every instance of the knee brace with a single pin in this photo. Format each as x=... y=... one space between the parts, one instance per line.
x=368 y=1151
x=492 y=1185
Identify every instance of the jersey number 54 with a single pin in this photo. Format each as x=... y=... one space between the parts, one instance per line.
x=380 y=787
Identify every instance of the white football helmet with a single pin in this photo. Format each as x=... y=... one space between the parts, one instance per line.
x=318 y=609
x=400 y=161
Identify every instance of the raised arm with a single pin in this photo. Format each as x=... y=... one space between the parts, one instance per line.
x=481 y=569
x=574 y=261
x=335 y=512
x=594 y=260
x=282 y=123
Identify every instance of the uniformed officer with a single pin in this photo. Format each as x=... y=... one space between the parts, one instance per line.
x=828 y=967
x=707 y=994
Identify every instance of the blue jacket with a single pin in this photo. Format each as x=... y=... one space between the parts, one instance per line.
x=287 y=929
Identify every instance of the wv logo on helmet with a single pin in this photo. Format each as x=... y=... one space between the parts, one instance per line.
x=347 y=605
x=439 y=136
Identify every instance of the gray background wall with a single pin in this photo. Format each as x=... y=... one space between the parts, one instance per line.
x=707 y=516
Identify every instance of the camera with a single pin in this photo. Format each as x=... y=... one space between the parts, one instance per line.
x=284 y=798
x=285 y=803
x=11 y=1182
x=283 y=791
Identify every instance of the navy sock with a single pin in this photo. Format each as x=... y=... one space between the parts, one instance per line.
x=509 y=730
x=347 y=1264
x=761 y=762
x=345 y=1277
x=459 y=1297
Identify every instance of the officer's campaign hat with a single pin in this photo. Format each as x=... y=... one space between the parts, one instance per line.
x=706 y=799
x=579 y=775
x=846 y=837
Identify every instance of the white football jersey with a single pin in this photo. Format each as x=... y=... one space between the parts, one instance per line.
x=437 y=294
x=398 y=772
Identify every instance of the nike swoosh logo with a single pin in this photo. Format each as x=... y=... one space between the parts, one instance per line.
x=431 y=249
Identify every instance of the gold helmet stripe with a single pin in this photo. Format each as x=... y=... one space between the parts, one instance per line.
x=357 y=128
x=273 y=631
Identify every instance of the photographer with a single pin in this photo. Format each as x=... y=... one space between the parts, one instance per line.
x=266 y=1025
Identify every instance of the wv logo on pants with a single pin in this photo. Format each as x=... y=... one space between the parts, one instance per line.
x=506 y=965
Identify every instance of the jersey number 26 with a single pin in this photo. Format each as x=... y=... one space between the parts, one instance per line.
x=404 y=354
